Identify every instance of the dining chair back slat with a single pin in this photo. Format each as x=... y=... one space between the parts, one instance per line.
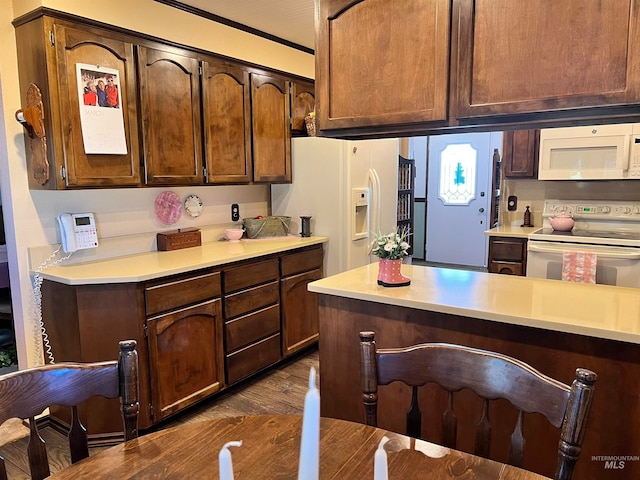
x=491 y=376
x=27 y=393
x=483 y=432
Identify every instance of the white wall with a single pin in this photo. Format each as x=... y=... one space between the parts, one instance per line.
x=534 y=192
x=418 y=151
x=29 y=215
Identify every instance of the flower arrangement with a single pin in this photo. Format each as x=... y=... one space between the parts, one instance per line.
x=391 y=246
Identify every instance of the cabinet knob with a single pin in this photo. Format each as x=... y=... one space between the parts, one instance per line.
x=481 y=210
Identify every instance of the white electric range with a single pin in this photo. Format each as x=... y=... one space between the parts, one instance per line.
x=608 y=228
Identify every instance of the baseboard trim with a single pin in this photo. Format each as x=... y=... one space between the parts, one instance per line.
x=94 y=440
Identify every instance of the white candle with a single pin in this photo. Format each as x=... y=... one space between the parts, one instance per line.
x=380 y=469
x=224 y=460
x=309 y=467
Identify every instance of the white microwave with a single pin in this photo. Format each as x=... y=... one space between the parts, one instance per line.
x=600 y=152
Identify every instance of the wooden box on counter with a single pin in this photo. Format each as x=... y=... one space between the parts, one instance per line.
x=177 y=239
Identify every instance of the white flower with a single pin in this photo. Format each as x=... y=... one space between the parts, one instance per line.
x=391 y=246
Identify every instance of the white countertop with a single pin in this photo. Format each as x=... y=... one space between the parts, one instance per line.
x=510 y=231
x=601 y=311
x=150 y=265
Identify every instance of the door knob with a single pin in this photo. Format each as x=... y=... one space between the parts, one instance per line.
x=481 y=210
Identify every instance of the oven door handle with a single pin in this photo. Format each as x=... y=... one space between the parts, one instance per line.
x=607 y=254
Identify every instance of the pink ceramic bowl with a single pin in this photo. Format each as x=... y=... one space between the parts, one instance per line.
x=562 y=223
x=233 y=234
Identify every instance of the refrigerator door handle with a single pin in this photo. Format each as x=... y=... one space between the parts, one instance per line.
x=374 y=180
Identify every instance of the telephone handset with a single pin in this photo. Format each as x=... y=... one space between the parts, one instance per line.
x=77 y=231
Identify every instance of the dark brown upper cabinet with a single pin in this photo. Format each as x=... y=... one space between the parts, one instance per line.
x=202 y=119
x=227 y=122
x=270 y=113
x=48 y=52
x=520 y=153
x=171 y=120
x=518 y=57
x=381 y=64
x=303 y=101
x=439 y=66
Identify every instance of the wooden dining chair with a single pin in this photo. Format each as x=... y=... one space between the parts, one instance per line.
x=491 y=376
x=27 y=393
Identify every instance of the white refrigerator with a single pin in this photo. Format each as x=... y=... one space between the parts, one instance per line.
x=350 y=190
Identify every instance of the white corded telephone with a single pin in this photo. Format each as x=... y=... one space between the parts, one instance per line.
x=77 y=231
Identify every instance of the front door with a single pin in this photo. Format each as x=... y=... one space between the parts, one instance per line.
x=459 y=197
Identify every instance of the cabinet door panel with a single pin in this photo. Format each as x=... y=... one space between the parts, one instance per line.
x=303 y=101
x=227 y=122
x=271 y=132
x=76 y=46
x=382 y=63
x=185 y=357
x=299 y=312
x=170 y=104
x=522 y=57
x=520 y=157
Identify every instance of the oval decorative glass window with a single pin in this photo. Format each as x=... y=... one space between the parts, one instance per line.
x=458 y=170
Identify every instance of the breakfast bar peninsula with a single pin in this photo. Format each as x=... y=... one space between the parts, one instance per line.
x=554 y=326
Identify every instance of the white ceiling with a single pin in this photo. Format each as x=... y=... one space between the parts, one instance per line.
x=291 y=20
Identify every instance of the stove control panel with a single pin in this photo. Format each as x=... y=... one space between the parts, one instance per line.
x=610 y=210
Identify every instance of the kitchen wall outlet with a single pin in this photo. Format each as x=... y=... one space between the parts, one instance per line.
x=512 y=203
x=235 y=212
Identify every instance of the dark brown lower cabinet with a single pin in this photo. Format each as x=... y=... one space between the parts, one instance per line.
x=252 y=314
x=84 y=323
x=614 y=421
x=508 y=255
x=299 y=306
x=197 y=332
x=185 y=357
x=299 y=311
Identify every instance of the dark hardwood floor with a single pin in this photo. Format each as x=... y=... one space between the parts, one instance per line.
x=280 y=390
x=424 y=263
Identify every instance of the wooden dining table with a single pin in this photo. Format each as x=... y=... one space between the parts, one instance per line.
x=270 y=450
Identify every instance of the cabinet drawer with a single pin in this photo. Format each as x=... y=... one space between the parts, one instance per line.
x=301 y=262
x=513 y=250
x=181 y=291
x=250 y=275
x=507 y=268
x=251 y=299
x=253 y=358
x=249 y=328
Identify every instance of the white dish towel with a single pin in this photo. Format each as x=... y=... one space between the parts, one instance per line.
x=579 y=266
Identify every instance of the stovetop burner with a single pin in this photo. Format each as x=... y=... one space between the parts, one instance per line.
x=596 y=222
x=611 y=235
